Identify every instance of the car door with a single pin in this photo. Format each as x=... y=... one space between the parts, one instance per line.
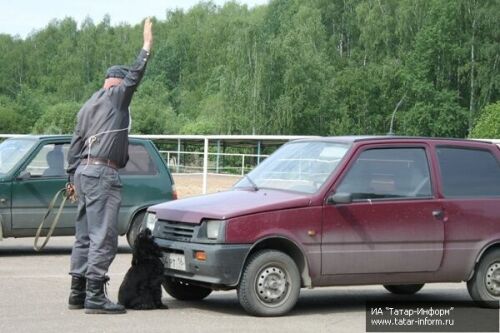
x=43 y=175
x=387 y=223
x=470 y=188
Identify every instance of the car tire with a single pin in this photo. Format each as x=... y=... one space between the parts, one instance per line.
x=484 y=286
x=270 y=284
x=185 y=291
x=403 y=289
x=135 y=227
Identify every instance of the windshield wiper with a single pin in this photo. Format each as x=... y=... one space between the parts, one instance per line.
x=254 y=186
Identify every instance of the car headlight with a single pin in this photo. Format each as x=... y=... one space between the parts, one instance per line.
x=151 y=220
x=212 y=230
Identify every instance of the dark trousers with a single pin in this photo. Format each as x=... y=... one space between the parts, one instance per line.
x=96 y=229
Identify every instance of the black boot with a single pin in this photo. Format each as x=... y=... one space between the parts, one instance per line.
x=96 y=301
x=77 y=295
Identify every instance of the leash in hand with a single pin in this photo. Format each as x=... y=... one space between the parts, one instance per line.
x=67 y=193
x=71 y=192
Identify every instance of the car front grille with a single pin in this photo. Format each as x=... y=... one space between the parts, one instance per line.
x=175 y=231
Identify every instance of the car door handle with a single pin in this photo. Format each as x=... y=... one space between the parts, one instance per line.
x=438 y=214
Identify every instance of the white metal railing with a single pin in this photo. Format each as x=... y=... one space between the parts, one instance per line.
x=171 y=157
x=204 y=140
x=213 y=138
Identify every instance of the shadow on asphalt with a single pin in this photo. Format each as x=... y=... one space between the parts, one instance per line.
x=340 y=301
x=324 y=301
x=24 y=250
x=228 y=305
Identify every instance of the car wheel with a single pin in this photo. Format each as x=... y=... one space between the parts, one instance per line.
x=484 y=287
x=403 y=289
x=185 y=291
x=135 y=227
x=270 y=284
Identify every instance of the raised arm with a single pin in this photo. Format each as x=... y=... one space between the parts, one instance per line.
x=134 y=76
x=148 y=35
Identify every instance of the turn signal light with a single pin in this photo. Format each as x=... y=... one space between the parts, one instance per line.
x=200 y=255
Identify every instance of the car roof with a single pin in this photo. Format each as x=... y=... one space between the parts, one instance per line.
x=58 y=137
x=387 y=138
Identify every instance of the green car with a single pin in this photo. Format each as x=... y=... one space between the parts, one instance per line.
x=32 y=170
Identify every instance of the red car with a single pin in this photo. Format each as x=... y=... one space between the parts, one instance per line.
x=396 y=211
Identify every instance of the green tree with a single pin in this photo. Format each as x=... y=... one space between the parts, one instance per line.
x=58 y=119
x=488 y=125
x=290 y=67
x=10 y=120
x=151 y=111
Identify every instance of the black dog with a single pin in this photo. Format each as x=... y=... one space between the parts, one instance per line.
x=141 y=287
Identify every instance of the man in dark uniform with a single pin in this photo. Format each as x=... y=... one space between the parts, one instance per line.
x=98 y=149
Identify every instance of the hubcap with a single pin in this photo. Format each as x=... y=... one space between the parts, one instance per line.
x=272 y=285
x=493 y=279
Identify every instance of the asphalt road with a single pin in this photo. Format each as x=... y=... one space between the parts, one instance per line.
x=35 y=286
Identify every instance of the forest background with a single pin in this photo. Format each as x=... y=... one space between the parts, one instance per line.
x=315 y=67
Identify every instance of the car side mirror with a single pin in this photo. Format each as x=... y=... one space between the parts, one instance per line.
x=339 y=198
x=24 y=175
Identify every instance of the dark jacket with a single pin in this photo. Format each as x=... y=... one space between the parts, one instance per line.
x=102 y=123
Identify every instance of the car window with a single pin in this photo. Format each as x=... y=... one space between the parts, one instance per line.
x=388 y=173
x=468 y=172
x=50 y=161
x=140 y=162
x=297 y=166
x=12 y=152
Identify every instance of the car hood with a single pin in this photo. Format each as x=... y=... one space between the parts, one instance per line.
x=228 y=204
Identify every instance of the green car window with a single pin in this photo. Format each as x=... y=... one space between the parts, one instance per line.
x=12 y=151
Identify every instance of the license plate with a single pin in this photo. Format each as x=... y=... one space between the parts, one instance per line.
x=174 y=261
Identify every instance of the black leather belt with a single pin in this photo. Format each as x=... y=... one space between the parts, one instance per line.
x=99 y=161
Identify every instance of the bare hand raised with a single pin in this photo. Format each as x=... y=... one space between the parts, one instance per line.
x=148 y=34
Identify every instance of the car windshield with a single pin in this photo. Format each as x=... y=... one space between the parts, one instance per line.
x=12 y=151
x=297 y=166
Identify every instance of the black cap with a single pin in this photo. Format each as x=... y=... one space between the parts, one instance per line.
x=117 y=71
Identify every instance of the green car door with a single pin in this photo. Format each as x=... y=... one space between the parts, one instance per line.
x=146 y=181
x=32 y=171
x=40 y=178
